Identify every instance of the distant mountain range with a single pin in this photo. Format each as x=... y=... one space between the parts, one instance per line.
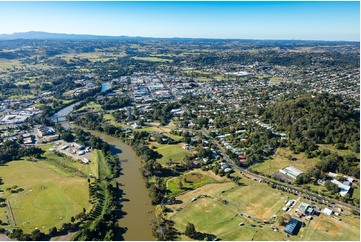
x=52 y=36
x=38 y=35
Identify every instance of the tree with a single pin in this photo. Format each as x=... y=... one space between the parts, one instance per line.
x=53 y=231
x=190 y=230
x=37 y=235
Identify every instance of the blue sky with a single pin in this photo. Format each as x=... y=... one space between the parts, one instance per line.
x=242 y=20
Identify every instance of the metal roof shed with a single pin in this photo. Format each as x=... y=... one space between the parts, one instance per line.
x=293 y=227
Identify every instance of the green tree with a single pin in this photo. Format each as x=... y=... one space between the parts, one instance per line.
x=190 y=230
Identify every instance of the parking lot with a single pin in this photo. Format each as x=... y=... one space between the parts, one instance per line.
x=74 y=150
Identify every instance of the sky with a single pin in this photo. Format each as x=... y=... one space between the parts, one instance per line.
x=228 y=20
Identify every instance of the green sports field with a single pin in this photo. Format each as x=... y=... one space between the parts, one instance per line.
x=213 y=215
x=50 y=196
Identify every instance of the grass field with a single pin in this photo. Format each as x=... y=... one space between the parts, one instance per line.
x=174 y=152
x=152 y=59
x=69 y=164
x=51 y=195
x=188 y=181
x=280 y=160
x=110 y=118
x=5 y=63
x=327 y=228
x=92 y=106
x=211 y=215
x=339 y=152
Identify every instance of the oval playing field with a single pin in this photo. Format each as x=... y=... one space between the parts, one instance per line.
x=50 y=196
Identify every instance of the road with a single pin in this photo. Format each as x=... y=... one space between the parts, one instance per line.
x=263 y=178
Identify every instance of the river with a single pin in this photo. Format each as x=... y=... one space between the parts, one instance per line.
x=60 y=116
x=136 y=201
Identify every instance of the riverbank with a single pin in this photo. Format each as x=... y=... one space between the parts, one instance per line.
x=135 y=199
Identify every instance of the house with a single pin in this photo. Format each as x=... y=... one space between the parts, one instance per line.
x=293 y=227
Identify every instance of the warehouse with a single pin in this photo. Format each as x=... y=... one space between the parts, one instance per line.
x=293 y=227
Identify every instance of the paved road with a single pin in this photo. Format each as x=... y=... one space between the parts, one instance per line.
x=263 y=178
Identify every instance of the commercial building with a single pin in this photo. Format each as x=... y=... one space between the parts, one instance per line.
x=291 y=171
x=293 y=227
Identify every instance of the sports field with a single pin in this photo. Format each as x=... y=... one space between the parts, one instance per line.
x=213 y=217
x=50 y=197
x=325 y=227
x=220 y=213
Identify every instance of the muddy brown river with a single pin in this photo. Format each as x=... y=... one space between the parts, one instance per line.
x=136 y=201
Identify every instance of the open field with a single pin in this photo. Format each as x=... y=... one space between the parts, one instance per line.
x=174 y=152
x=50 y=197
x=339 y=152
x=188 y=181
x=213 y=217
x=91 y=56
x=152 y=59
x=281 y=160
x=325 y=227
x=5 y=63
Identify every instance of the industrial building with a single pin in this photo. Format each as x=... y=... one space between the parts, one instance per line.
x=293 y=227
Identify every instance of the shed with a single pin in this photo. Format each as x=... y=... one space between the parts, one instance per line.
x=327 y=211
x=293 y=227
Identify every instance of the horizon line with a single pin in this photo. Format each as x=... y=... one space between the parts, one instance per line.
x=174 y=37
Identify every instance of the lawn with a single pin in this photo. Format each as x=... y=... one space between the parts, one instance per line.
x=174 y=152
x=188 y=181
x=281 y=160
x=50 y=197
